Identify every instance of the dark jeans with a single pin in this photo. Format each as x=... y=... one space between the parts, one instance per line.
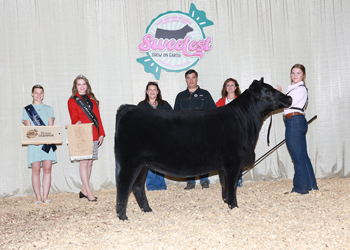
x=202 y=179
x=304 y=177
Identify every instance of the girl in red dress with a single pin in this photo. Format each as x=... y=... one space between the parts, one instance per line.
x=82 y=90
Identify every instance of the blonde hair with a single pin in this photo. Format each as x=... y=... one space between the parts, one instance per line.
x=301 y=67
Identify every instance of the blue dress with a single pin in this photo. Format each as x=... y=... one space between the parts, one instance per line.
x=35 y=153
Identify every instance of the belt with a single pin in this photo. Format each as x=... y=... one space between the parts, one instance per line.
x=290 y=115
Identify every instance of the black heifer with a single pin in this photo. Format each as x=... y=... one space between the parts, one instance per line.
x=190 y=143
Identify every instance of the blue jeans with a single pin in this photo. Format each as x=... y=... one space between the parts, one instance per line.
x=304 y=177
x=240 y=184
x=203 y=178
x=155 y=181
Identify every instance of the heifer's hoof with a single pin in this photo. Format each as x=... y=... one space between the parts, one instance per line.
x=146 y=210
x=122 y=217
x=232 y=206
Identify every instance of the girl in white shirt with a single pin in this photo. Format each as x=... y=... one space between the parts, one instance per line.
x=296 y=127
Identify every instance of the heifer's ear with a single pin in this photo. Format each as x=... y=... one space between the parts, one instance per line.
x=262 y=81
x=255 y=87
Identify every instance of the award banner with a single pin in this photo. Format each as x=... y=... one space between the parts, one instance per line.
x=41 y=135
x=80 y=141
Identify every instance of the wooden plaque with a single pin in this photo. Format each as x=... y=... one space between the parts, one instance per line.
x=41 y=135
x=80 y=141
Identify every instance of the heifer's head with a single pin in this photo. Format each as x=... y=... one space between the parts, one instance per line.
x=271 y=98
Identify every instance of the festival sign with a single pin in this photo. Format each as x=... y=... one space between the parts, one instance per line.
x=175 y=41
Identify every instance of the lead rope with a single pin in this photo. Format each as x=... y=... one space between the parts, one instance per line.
x=268 y=132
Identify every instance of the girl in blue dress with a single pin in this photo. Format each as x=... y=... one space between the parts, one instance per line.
x=37 y=157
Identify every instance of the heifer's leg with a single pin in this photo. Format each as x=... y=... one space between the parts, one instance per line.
x=232 y=177
x=223 y=185
x=139 y=190
x=122 y=201
x=125 y=179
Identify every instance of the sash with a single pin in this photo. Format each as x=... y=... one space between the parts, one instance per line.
x=38 y=122
x=88 y=112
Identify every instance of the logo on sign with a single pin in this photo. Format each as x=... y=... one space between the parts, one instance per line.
x=32 y=133
x=175 y=41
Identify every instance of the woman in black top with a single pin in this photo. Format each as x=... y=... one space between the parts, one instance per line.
x=153 y=99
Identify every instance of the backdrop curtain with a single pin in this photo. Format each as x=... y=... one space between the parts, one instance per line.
x=51 y=42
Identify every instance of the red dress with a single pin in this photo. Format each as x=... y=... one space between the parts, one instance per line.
x=77 y=114
x=222 y=102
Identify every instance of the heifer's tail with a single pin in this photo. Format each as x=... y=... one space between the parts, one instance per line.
x=122 y=110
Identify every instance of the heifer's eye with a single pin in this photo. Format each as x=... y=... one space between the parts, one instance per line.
x=267 y=92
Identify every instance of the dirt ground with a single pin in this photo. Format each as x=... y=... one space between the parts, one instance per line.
x=268 y=217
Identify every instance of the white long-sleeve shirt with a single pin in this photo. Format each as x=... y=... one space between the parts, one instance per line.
x=299 y=95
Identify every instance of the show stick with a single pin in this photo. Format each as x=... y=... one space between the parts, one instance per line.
x=271 y=150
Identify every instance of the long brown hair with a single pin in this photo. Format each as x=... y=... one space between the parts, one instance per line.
x=88 y=90
x=224 y=91
x=159 y=96
x=302 y=68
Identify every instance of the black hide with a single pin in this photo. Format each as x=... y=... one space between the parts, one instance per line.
x=190 y=143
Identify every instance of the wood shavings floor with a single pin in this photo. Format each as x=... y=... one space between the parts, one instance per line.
x=268 y=217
